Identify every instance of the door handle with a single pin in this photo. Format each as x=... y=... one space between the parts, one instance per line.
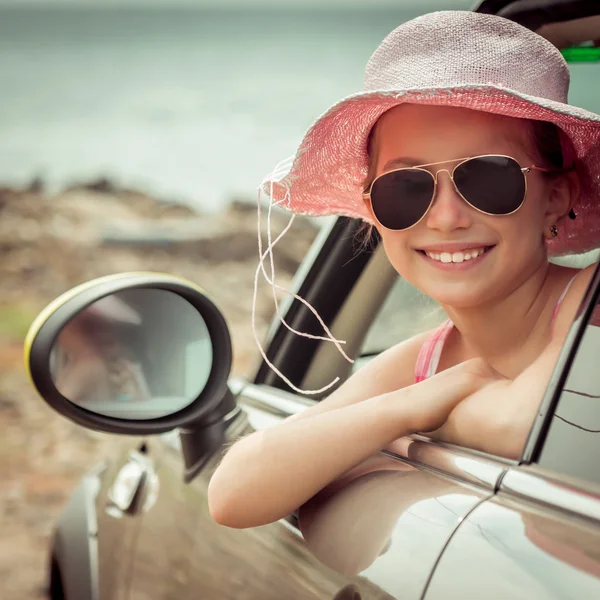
x=129 y=485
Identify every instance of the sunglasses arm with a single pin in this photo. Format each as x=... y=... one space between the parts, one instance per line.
x=543 y=169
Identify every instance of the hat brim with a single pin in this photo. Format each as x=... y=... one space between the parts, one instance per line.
x=326 y=175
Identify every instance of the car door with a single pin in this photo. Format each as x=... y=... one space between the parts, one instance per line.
x=164 y=535
x=539 y=537
x=182 y=553
x=377 y=537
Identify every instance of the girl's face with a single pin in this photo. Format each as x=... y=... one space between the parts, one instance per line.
x=514 y=244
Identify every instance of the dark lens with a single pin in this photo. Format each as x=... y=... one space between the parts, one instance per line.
x=400 y=198
x=493 y=184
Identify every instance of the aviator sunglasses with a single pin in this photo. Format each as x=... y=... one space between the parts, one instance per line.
x=493 y=184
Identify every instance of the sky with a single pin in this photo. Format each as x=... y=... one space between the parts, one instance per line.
x=367 y=4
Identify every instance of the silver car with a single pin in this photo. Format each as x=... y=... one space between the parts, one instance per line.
x=433 y=521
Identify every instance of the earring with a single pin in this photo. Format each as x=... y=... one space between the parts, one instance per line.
x=554 y=231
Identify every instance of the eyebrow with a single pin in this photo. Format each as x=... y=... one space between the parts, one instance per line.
x=403 y=161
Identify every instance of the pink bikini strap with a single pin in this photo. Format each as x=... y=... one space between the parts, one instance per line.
x=431 y=351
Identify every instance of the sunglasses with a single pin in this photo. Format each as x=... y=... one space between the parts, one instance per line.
x=493 y=184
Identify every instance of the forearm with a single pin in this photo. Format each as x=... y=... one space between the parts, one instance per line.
x=495 y=419
x=272 y=472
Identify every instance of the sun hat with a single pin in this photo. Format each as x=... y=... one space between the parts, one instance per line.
x=447 y=58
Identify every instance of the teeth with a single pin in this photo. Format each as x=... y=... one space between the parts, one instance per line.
x=456 y=257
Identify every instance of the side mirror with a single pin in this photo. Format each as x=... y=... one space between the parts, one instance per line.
x=134 y=353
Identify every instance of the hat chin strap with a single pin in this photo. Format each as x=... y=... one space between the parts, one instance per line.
x=271 y=280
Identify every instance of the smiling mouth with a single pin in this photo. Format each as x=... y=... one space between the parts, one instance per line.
x=456 y=257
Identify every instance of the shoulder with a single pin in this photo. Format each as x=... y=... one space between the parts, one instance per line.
x=392 y=369
x=572 y=300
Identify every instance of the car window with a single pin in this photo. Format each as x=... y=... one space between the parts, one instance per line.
x=572 y=444
x=405 y=313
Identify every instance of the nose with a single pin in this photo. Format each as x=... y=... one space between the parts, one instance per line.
x=448 y=211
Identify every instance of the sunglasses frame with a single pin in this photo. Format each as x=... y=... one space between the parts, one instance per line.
x=524 y=170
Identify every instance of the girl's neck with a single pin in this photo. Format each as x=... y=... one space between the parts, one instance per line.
x=516 y=321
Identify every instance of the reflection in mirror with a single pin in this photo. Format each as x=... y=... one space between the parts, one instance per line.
x=137 y=354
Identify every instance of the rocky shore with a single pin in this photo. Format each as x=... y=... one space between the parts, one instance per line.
x=50 y=243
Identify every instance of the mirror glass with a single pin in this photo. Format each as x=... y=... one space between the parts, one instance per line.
x=137 y=354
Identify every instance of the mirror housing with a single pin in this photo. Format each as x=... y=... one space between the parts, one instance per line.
x=206 y=411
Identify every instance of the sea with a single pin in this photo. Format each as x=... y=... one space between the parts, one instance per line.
x=189 y=105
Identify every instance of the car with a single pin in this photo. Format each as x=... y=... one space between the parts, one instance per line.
x=428 y=521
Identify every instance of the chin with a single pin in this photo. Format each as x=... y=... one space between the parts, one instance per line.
x=460 y=299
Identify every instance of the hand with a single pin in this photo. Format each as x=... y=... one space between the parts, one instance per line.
x=478 y=420
x=430 y=402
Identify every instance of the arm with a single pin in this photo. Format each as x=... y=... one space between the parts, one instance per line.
x=391 y=370
x=381 y=375
x=497 y=418
x=513 y=402
x=270 y=473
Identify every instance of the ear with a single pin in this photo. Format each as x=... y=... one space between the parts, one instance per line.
x=369 y=207
x=563 y=196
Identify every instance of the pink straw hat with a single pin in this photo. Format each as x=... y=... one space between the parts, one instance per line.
x=447 y=58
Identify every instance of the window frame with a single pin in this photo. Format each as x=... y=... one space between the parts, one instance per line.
x=325 y=279
x=539 y=431
x=334 y=253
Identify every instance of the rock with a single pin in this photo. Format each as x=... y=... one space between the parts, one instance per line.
x=8 y=195
x=103 y=185
x=140 y=203
x=36 y=186
x=52 y=243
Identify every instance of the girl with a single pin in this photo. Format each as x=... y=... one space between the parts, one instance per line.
x=465 y=156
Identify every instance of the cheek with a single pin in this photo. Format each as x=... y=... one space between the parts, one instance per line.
x=400 y=253
x=395 y=244
x=525 y=228
x=536 y=202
